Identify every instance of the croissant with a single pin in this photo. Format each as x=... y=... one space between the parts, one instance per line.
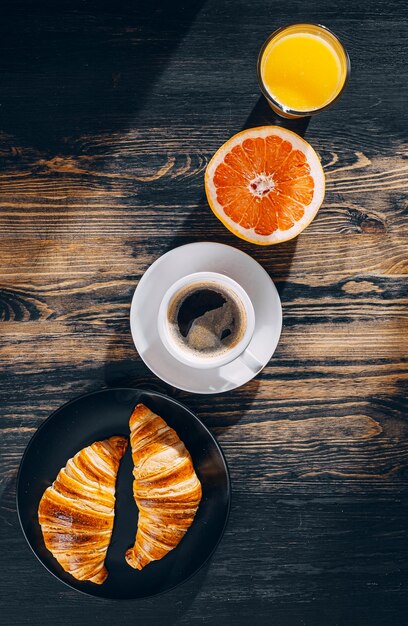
x=166 y=488
x=76 y=513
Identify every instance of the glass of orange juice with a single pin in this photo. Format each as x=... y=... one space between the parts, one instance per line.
x=302 y=69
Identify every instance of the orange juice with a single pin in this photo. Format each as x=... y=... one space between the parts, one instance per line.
x=302 y=68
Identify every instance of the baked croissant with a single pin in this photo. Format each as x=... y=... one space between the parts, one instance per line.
x=166 y=488
x=76 y=513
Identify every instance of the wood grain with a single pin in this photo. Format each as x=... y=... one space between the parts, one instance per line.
x=109 y=115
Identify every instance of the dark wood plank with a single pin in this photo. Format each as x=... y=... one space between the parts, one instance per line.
x=109 y=114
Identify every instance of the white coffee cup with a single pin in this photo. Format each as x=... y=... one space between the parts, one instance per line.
x=239 y=351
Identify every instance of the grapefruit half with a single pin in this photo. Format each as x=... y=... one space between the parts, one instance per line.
x=265 y=184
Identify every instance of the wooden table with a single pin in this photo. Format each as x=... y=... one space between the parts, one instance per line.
x=109 y=113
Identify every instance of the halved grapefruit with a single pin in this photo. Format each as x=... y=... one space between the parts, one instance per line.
x=265 y=184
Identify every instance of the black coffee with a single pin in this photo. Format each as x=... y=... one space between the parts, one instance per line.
x=206 y=319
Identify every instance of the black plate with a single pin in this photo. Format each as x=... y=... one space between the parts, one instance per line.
x=97 y=416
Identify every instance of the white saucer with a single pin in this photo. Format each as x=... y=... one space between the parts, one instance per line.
x=198 y=257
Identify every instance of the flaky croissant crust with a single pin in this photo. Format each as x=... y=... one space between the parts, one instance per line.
x=76 y=512
x=166 y=488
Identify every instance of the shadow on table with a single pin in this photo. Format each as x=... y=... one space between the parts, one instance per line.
x=79 y=68
x=178 y=601
x=263 y=115
x=74 y=75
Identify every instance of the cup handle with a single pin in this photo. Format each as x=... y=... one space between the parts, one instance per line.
x=250 y=361
x=232 y=372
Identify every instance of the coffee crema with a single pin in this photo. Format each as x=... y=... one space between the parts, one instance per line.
x=206 y=319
